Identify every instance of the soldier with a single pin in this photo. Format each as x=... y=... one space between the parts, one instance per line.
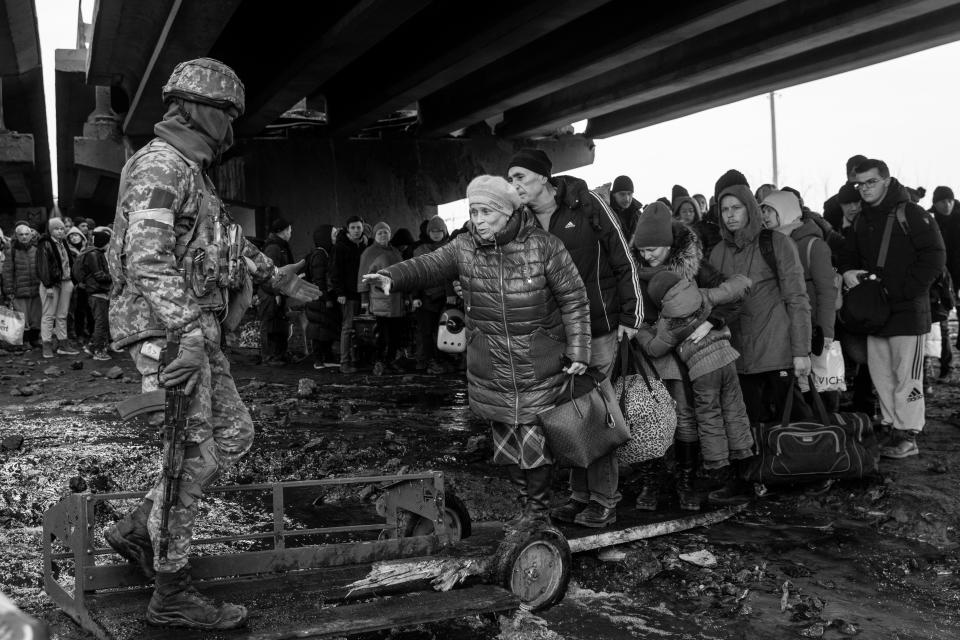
x=176 y=259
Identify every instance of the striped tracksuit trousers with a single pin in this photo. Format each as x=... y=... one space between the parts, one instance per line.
x=896 y=368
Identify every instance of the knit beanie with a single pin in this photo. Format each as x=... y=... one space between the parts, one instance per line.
x=786 y=205
x=323 y=236
x=654 y=227
x=730 y=178
x=622 y=183
x=55 y=223
x=436 y=223
x=278 y=225
x=848 y=194
x=942 y=193
x=495 y=192
x=660 y=283
x=101 y=236
x=533 y=159
x=678 y=192
x=378 y=226
x=402 y=238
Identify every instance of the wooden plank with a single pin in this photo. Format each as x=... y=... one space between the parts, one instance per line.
x=399 y=611
x=615 y=536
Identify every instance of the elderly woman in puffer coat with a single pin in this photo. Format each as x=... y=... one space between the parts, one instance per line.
x=526 y=312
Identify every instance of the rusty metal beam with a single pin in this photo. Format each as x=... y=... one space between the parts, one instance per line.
x=782 y=32
x=604 y=40
x=884 y=44
x=418 y=61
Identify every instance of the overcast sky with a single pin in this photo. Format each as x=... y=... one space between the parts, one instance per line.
x=904 y=111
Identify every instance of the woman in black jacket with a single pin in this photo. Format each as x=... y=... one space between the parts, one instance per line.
x=54 y=265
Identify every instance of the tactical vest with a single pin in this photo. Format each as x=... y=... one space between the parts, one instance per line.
x=208 y=255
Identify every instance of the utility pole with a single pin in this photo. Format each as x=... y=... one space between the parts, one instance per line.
x=773 y=137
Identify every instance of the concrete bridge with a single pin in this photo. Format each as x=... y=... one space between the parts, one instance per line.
x=386 y=108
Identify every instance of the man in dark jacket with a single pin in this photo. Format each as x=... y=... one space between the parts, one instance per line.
x=831 y=207
x=20 y=284
x=914 y=259
x=946 y=211
x=271 y=310
x=344 y=271
x=321 y=314
x=591 y=232
x=624 y=205
x=96 y=282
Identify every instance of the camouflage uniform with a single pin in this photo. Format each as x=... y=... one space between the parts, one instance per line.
x=167 y=214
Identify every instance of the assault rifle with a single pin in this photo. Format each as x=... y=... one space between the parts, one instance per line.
x=173 y=435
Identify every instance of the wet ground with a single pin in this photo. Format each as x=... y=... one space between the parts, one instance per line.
x=870 y=559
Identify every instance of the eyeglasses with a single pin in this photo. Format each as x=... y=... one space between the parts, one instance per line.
x=867 y=184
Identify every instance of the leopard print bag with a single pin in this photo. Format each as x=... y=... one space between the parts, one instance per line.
x=649 y=410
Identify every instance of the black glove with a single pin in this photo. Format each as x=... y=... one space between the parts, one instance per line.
x=292 y=286
x=185 y=369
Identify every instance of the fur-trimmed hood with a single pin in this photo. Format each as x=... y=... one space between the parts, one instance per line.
x=686 y=253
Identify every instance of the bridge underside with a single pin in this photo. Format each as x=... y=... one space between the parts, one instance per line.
x=442 y=82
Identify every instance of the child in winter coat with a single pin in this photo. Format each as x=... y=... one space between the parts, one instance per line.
x=722 y=421
x=97 y=284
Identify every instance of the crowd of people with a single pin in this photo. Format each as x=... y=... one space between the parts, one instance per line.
x=57 y=277
x=733 y=298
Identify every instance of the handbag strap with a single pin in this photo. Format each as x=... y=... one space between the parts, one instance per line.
x=593 y=374
x=885 y=242
x=817 y=403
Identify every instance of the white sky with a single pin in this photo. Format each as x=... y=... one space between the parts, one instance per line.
x=904 y=111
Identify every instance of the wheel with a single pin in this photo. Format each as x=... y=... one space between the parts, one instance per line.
x=455 y=516
x=535 y=567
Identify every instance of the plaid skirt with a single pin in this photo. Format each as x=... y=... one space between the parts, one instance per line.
x=522 y=444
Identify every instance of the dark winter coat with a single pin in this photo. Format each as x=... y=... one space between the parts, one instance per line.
x=818 y=275
x=950 y=230
x=97 y=279
x=773 y=325
x=50 y=267
x=589 y=230
x=317 y=271
x=374 y=259
x=345 y=265
x=20 y=271
x=686 y=260
x=913 y=261
x=433 y=298
x=627 y=217
x=525 y=309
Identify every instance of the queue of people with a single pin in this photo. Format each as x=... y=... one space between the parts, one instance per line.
x=734 y=305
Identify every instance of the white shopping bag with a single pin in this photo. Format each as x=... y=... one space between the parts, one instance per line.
x=932 y=342
x=11 y=326
x=828 y=370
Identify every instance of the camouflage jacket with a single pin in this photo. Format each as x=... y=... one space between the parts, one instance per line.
x=164 y=207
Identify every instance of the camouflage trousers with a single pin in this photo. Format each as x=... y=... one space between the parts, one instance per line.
x=219 y=432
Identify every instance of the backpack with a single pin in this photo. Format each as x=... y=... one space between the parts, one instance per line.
x=837 y=278
x=769 y=255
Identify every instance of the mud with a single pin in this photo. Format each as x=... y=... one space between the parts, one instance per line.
x=873 y=559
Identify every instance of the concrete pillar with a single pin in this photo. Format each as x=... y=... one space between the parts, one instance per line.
x=100 y=152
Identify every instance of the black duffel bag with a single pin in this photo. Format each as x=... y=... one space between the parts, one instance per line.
x=827 y=447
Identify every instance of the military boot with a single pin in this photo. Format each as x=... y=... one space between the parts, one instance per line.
x=175 y=603
x=647 y=496
x=687 y=475
x=733 y=489
x=129 y=538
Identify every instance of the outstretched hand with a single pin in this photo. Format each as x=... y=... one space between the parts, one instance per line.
x=379 y=280
x=294 y=286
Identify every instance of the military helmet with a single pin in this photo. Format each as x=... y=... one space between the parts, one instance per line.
x=207 y=81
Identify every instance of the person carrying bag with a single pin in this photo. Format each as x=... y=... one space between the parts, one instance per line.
x=587 y=423
x=866 y=307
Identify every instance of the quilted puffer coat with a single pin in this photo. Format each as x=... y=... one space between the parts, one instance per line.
x=526 y=308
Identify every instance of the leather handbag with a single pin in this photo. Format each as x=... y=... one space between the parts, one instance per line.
x=587 y=426
x=647 y=406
